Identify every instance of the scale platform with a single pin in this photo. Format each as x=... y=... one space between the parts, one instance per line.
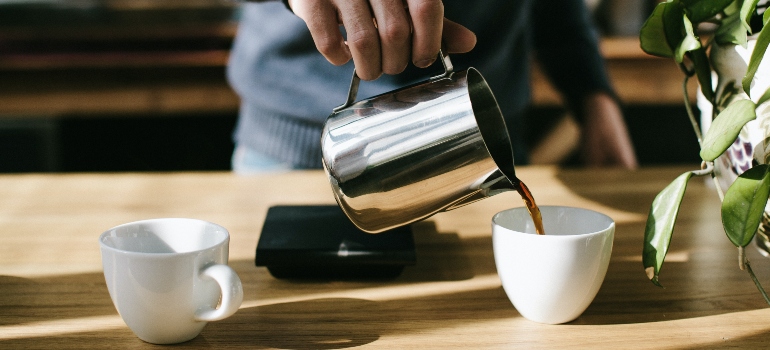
x=320 y=242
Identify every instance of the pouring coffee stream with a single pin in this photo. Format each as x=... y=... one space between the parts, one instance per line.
x=405 y=155
x=508 y=169
x=532 y=208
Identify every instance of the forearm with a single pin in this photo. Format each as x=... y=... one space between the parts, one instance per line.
x=606 y=141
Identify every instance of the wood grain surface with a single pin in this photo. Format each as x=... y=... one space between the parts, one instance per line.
x=53 y=295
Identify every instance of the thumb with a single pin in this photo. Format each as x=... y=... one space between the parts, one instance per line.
x=457 y=38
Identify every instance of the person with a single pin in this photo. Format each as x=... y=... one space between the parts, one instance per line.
x=291 y=64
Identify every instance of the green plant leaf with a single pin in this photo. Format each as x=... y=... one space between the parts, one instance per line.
x=731 y=31
x=652 y=36
x=733 y=8
x=756 y=57
x=747 y=10
x=765 y=97
x=725 y=128
x=668 y=32
x=673 y=24
x=765 y=17
x=688 y=43
x=744 y=204
x=701 y=10
x=703 y=70
x=660 y=225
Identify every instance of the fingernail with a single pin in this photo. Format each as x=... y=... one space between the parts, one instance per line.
x=425 y=63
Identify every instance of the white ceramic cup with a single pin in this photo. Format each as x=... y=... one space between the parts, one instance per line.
x=169 y=277
x=552 y=278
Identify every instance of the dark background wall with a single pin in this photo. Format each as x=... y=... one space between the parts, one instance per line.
x=180 y=142
x=105 y=54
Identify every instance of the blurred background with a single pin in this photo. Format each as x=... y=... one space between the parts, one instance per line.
x=139 y=85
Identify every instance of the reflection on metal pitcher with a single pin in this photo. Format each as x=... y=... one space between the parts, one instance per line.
x=403 y=156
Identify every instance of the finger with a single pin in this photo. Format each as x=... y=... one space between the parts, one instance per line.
x=322 y=21
x=363 y=38
x=457 y=38
x=395 y=34
x=427 y=22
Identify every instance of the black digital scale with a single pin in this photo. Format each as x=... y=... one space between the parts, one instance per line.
x=320 y=242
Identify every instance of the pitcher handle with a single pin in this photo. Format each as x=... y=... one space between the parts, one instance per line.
x=355 y=81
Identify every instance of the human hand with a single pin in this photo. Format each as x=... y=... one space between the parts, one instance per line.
x=382 y=35
x=605 y=138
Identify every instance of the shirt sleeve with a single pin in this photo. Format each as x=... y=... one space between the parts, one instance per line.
x=567 y=46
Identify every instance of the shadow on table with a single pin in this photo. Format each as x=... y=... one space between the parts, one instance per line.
x=317 y=323
x=755 y=341
x=334 y=323
x=328 y=323
x=636 y=195
x=25 y=300
x=321 y=321
x=701 y=280
x=700 y=276
x=441 y=256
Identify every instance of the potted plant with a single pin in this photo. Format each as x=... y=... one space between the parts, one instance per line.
x=735 y=101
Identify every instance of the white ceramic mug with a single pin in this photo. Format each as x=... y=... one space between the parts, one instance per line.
x=169 y=277
x=552 y=278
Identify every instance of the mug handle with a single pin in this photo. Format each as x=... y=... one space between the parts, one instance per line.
x=353 y=91
x=232 y=293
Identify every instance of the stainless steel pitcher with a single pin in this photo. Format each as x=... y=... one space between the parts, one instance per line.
x=403 y=156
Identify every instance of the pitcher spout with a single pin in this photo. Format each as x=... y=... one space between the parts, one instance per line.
x=494 y=184
x=498 y=183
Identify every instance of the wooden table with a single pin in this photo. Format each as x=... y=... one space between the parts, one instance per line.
x=53 y=295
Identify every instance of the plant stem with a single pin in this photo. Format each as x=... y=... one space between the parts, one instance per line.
x=756 y=282
x=718 y=187
x=742 y=258
x=706 y=168
x=690 y=113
